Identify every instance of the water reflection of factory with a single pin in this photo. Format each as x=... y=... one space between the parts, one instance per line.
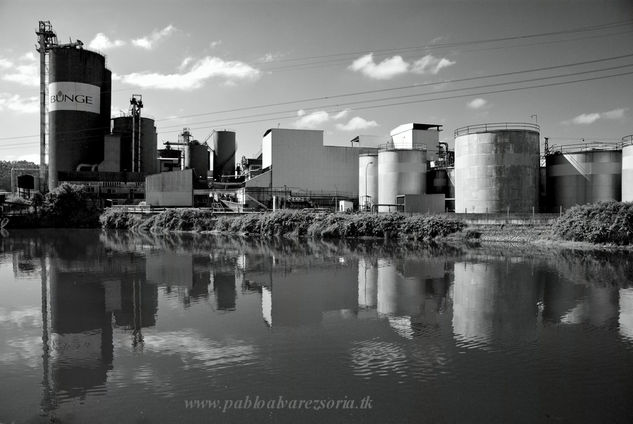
x=90 y=290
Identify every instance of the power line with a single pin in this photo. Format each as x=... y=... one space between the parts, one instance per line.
x=608 y=25
x=410 y=86
x=430 y=100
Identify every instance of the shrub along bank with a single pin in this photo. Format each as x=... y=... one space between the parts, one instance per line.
x=602 y=222
x=288 y=223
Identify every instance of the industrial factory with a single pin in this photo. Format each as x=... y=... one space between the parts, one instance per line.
x=493 y=168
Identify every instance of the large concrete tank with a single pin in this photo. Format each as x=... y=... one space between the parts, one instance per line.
x=627 y=169
x=400 y=172
x=367 y=180
x=197 y=158
x=582 y=174
x=224 y=148
x=79 y=109
x=496 y=168
x=122 y=126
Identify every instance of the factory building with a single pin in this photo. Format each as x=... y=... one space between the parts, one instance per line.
x=297 y=165
x=497 y=168
x=583 y=173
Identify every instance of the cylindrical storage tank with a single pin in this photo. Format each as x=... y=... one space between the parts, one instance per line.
x=400 y=172
x=367 y=180
x=627 y=169
x=497 y=168
x=149 y=141
x=580 y=175
x=79 y=113
x=197 y=158
x=224 y=148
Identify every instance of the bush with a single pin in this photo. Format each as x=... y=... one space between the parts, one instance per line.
x=289 y=223
x=602 y=222
x=71 y=205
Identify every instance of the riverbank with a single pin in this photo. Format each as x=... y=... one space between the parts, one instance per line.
x=578 y=228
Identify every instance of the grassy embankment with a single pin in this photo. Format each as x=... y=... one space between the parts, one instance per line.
x=604 y=223
x=289 y=223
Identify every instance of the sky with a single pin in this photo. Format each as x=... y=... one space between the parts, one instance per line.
x=347 y=67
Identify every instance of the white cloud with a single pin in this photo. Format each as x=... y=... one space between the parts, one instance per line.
x=102 y=42
x=396 y=65
x=19 y=104
x=25 y=73
x=386 y=69
x=430 y=64
x=590 y=118
x=205 y=68
x=147 y=42
x=312 y=120
x=215 y=43
x=342 y=114
x=357 y=123
x=477 y=103
x=5 y=63
x=29 y=56
x=186 y=61
x=586 y=118
x=615 y=113
x=270 y=57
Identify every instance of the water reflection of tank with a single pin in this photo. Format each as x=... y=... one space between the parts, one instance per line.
x=495 y=300
x=225 y=291
x=224 y=149
x=626 y=313
x=398 y=295
x=81 y=339
x=303 y=295
x=79 y=109
x=400 y=172
x=497 y=167
x=138 y=304
x=367 y=283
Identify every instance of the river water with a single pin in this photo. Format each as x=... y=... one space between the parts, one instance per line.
x=112 y=327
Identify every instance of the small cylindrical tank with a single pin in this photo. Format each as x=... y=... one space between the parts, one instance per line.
x=627 y=169
x=197 y=158
x=367 y=180
x=497 y=168
x=122 y=126
x=400 y=172
x=79 y=109
x=224 y=148
x=582 y=174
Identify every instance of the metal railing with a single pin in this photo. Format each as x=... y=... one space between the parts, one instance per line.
x=627 y=140
x=582 y=147
x=390 y=145
x=496 y=126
